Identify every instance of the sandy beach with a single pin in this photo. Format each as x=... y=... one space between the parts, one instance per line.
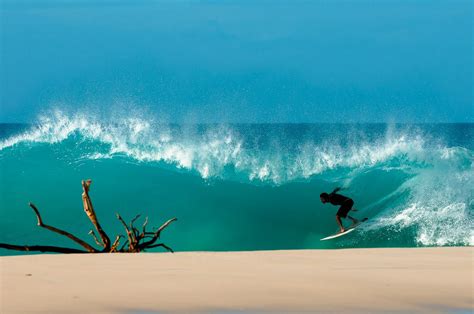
x=354 y=280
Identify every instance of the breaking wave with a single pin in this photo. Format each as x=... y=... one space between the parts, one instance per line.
x=209 y=150
x=415 y=182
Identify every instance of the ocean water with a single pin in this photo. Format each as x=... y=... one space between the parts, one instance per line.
x=239 y=186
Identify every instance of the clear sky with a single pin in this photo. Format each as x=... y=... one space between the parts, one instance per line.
x=240 y=61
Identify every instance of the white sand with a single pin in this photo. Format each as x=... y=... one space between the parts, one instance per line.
x=357 y=280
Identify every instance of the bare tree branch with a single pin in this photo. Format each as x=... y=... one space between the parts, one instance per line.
x=92 y=233
x=40 y=248
x=89 y=209
x=82 y=243
x=129 y=234
x=162 y=245
x=133 y=220
x=144 y=225
x=122 y=249
x=115 y=244
x=134 y=244
x=156 y=235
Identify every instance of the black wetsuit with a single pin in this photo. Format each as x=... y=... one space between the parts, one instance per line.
x=345 y=202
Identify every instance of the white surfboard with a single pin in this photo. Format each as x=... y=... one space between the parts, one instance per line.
x=348 y=230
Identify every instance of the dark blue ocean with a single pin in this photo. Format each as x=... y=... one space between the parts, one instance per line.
x=239 y=186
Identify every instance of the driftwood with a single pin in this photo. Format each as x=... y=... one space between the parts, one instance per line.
x=136 y=240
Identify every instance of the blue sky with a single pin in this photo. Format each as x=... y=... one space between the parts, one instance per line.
x=240 y=61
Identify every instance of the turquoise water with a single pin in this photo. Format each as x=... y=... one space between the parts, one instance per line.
x=239 y=187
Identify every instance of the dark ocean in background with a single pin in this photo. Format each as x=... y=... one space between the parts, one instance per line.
x=239 y=186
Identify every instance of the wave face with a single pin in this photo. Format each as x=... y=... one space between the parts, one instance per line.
x=241 y=187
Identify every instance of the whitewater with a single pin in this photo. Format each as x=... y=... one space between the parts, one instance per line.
x=240 y=186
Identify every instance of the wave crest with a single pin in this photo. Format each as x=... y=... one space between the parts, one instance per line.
x=211 y=150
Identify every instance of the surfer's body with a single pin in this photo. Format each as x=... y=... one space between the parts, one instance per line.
x=344 y=202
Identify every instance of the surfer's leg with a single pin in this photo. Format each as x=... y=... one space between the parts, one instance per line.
x=339 y=222
x=354 y=220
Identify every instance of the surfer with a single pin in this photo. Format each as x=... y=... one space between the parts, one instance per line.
x=345 y=202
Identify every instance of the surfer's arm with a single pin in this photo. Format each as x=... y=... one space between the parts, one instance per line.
x=335 y=190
